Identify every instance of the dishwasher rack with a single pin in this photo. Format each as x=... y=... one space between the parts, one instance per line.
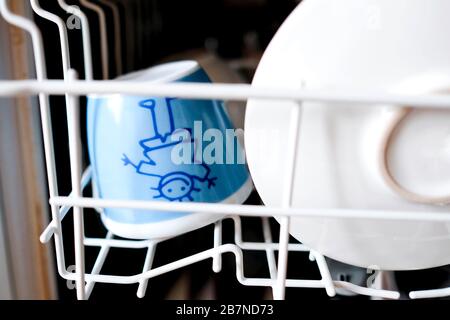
x=62 y=205
x=75 y=202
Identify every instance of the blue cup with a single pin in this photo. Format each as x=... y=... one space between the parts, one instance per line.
x=164 y=149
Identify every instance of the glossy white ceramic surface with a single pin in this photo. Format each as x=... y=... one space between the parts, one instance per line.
x=381 y=46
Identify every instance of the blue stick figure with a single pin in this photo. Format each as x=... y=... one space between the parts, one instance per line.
x=176 y=185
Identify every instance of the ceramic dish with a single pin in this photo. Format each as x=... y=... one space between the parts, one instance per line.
x=379 y=46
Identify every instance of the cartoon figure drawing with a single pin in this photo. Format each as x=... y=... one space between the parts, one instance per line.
x=174 y=185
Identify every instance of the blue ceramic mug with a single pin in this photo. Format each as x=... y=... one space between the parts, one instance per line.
x=164 y=149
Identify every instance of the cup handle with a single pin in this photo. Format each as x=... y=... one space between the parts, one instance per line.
x=390 y=180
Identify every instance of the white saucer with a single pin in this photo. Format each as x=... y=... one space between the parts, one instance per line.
x=358 y=45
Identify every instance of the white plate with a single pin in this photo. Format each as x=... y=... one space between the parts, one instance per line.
x=382 y=46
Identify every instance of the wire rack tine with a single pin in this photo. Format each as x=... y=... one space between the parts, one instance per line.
x=217 y=260
x=73 y=123
x=52 y=227
x=428 y=294
x=86 y=36
x=377 y=293
x=63 y=36
x=41 y=72
x=325 y=273
x=143 y=284
x=99 y=262
x=66 y=66
x=252 y=210
x=117 y=34
x=270 y=253
x=240 y=92
x=103 y=35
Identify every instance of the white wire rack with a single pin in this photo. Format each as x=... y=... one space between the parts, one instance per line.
x=74 y=203
x=277 y=280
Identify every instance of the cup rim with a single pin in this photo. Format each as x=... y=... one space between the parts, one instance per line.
x=161 y=73
x=166 y=72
